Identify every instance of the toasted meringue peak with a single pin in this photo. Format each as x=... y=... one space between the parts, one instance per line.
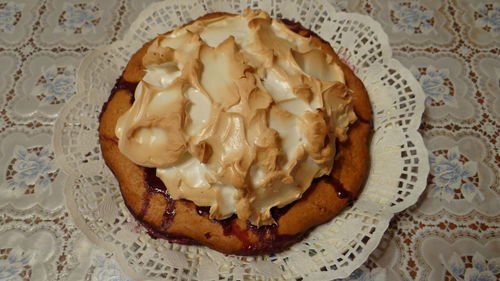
x=237 y=113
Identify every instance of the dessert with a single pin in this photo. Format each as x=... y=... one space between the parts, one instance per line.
x=239 y=132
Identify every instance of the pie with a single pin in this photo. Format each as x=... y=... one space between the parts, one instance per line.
x=238 y=132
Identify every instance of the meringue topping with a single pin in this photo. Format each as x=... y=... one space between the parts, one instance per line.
x=237 y=113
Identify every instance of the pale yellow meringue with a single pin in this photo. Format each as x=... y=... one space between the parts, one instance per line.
x=237 y=113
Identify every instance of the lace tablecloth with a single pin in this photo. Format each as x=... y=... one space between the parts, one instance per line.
x=452 y=48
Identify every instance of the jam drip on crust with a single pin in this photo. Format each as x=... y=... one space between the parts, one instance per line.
x=269 y=240
x=298 y=28
x=156 y=185
x=121 y=84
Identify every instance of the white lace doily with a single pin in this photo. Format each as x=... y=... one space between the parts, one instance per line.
x=399 y=158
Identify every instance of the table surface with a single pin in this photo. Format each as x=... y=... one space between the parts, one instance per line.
x=451 y=47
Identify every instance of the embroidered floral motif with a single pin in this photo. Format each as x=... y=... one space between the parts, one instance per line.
x=453 y=176
x=487 y=17
x=79 y=18
x=30 y=167
x=436 y=85
x=471 y=268
x=14 y=265
x=56 y=85
x=411 y=18
x=106 y=269
x=10 y=14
